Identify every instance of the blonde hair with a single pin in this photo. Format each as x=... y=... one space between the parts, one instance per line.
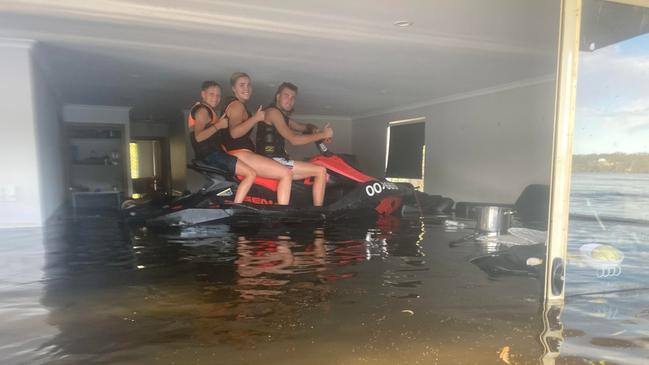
x=236 y=76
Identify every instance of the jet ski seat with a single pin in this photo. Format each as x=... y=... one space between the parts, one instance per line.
x=216 y=178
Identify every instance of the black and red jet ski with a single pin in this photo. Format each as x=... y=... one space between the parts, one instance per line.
x=349 y=194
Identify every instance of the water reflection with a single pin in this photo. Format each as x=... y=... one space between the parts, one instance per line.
x=607 y=327
x=111 y=289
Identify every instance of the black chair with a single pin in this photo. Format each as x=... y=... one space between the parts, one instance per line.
x=532 y=206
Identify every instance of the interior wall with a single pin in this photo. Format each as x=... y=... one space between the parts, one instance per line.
x=20 y=195
x=149 y=130
x=101 y=114
x=484 y=147
x=47 y=108
x=341 y=143
x=178 y=154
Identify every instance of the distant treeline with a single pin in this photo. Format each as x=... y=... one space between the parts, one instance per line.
x=611 y=162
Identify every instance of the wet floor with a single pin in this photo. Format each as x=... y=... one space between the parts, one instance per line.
x=93 y=291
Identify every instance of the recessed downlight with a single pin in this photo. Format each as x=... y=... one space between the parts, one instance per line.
x=402 y=23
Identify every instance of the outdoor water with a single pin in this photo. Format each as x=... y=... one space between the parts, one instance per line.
x=606 y=315
x=93 y=291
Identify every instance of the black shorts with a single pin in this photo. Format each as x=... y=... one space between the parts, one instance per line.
x=222 y=160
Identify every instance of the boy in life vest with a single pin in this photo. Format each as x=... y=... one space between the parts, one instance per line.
x=279 y=127
x=205 y=126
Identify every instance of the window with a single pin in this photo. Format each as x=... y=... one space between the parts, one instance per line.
x=406 y=150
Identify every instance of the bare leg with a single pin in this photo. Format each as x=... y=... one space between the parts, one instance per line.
x=249 y=175
x=302 y=170
x=265 y=167
x=284 y=189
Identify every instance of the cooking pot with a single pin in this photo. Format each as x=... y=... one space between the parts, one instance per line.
x=493 y=219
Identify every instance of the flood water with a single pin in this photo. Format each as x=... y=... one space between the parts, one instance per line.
x=94 y=291
x=606 y=315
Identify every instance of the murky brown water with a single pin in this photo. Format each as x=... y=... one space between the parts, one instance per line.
x=391 y=292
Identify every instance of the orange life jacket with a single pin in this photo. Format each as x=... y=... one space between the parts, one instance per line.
x=190 y=119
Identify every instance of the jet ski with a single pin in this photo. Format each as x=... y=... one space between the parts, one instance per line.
x=349 y=194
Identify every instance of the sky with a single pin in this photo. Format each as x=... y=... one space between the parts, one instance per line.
x=612 y=111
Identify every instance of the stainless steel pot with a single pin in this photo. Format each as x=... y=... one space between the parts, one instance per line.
x=493 y=219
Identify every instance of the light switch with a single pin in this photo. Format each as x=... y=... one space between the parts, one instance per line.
x=9 y=193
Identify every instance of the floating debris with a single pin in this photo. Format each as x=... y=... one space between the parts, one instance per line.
x=504 y=355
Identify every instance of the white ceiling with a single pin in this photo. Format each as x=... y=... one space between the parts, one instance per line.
x=347 y=57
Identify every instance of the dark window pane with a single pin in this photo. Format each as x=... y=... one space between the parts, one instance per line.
x=405 y=154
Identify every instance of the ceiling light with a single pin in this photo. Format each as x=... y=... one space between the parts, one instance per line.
x=402 y=23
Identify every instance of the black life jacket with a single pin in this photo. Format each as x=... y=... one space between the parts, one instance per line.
x=243 y=142
x=269 y=142
x=213 y=142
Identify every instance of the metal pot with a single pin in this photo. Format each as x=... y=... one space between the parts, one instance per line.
x=493 y=219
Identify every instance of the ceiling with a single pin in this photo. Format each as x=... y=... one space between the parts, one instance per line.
x=347 y=57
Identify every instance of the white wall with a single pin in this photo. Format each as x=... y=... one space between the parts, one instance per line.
x=78 y=113
x=486 y=146
x=47 y=108
x=20 y=195
x=104 y=114
x=341 y=143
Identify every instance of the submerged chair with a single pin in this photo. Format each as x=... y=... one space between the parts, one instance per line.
x=531 y=208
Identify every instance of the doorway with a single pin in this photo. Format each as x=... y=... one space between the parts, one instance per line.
x=148 y=171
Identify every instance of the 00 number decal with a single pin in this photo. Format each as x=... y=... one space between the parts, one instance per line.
x=373 y=189
x=378 y=187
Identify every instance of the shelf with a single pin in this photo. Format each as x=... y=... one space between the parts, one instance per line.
x=94 y=164
x=91 y=133
x=94 y=139
x=89 y=161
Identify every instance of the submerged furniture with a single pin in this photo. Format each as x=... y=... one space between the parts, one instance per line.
x=423 y=203
x=531 y=207
x=492 y=219
x=96 y=199
x=466 y=210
